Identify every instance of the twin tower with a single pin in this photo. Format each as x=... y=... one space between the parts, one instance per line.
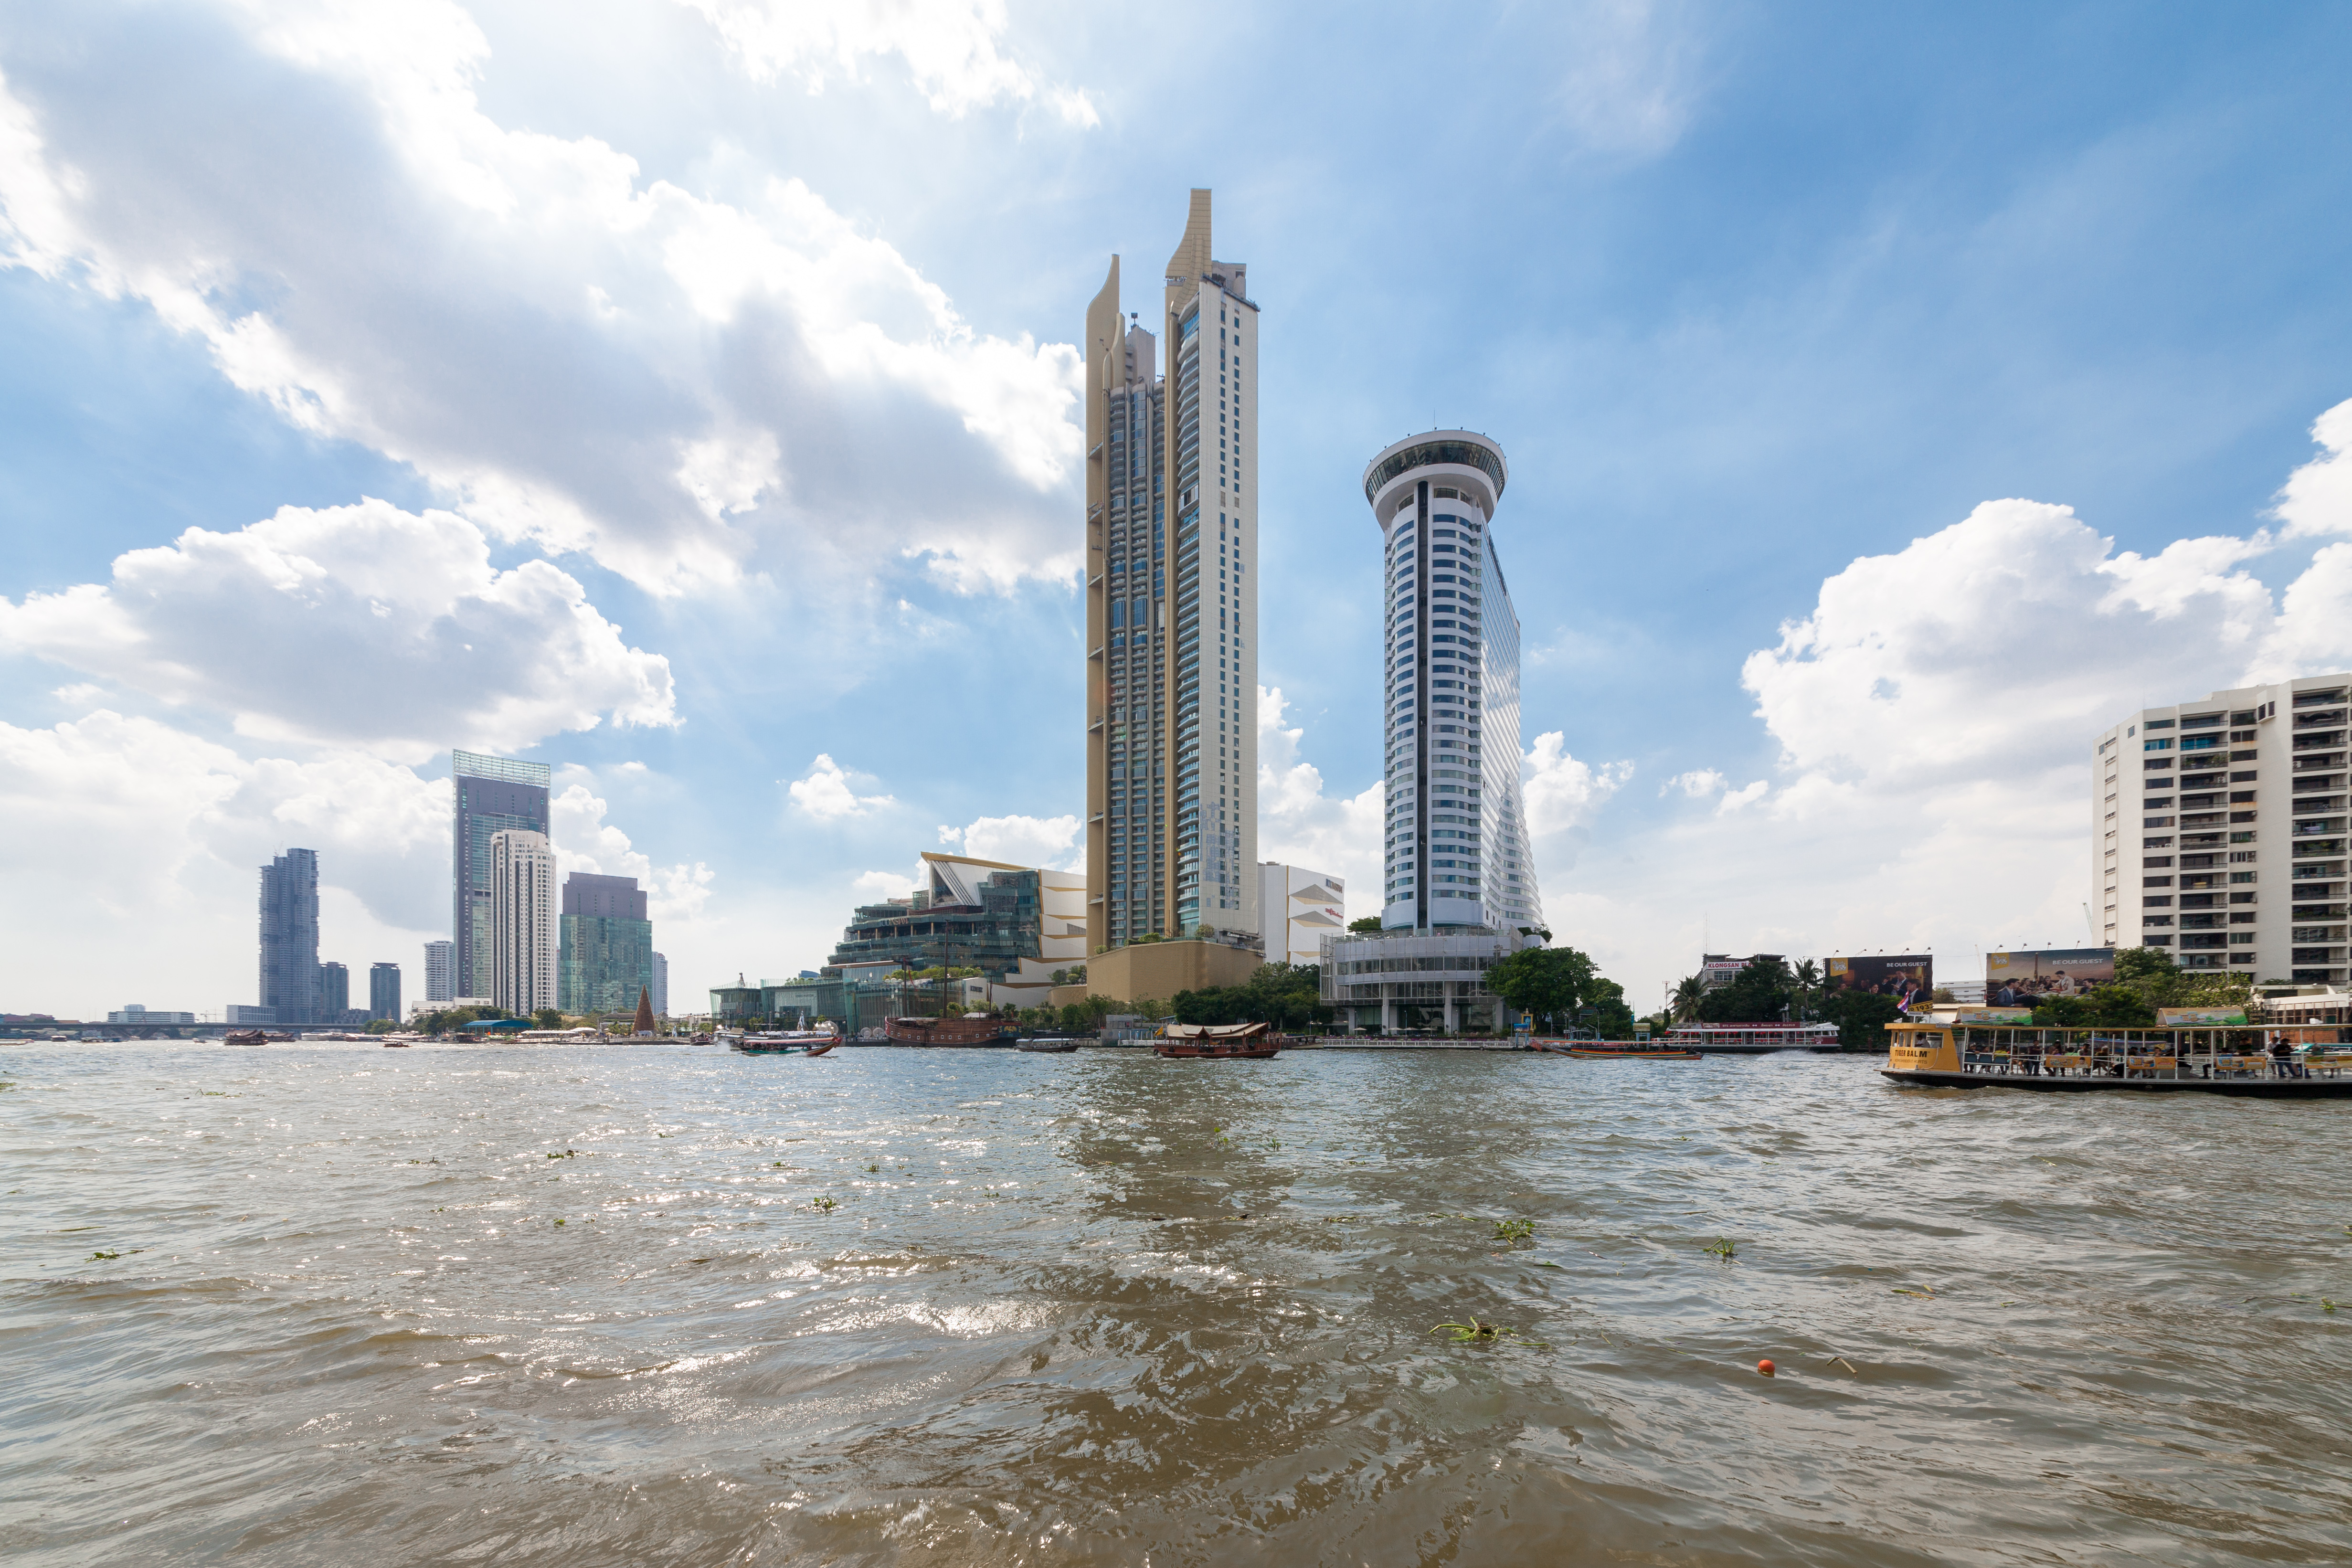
x=1171 y=564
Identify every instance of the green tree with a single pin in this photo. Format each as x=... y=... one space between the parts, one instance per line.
x=2104 y=1006
x=1553 y=983
x=1370 y=925
x=1605 y=1011
x=1862 y=1017
x=547 y=1018
x=1758 y=993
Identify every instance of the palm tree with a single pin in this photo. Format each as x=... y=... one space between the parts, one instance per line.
x=1807 y=978
x=1685 y=998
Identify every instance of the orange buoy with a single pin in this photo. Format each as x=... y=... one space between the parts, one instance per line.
x=1764 y=1367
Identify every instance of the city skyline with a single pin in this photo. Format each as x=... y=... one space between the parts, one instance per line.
x=1870 y=450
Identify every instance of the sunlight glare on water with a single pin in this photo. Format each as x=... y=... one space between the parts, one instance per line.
x=609 y=1305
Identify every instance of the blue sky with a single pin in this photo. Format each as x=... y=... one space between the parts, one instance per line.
x=680 y=394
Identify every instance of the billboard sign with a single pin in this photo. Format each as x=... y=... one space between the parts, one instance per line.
x=1993 y=1015
x=2015 y=979
x=2197 y=1017
x=1908 y=977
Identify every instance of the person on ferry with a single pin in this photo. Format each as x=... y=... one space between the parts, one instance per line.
x=2283 y=1060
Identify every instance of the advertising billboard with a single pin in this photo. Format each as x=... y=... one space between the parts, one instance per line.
x=1908 y=977
x=2197 y=1017
x=2015 y=979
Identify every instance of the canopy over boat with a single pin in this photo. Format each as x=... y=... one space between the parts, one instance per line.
x=2267 y=1061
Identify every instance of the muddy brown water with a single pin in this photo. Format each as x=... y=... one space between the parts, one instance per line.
x=589 y=1306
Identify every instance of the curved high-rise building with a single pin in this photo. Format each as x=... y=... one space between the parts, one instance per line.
x=1456 y=846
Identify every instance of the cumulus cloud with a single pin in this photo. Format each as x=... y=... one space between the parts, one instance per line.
x=569 y=353
x=1047 y=841
x=826 y=793
x=2318 y=497
x=952 y=49
x=1298 y=824
x=874 y=887
x=1934 y=714
x=363 y=626
x=585 y=841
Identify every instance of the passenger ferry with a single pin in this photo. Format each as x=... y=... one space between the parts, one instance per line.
x=1750 y=1039
x=2305 y=1062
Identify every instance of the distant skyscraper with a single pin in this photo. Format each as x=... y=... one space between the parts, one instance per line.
x=1172 y=610
x=491 y=795
x=1456 y=838
x=334 y=992
x=661 y=987
x=289 y=937
x=440 y=970
x=383 y=991
x=522 y=921
x=607 y=945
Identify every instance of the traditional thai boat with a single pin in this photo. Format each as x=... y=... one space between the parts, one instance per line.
x=2252 y=1061
x=1058 y=1044
x=971 y=1029
x=1751 y=1039
x=1248 y=1042
x=253 y=1038
x=787 y=1043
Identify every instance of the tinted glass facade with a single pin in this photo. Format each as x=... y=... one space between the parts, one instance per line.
x=491 y=795
x=289 y=937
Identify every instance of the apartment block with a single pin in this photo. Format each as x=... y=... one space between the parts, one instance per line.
x=2219 y=830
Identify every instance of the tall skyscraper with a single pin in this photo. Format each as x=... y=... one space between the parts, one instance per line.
x=2219 y=830
x=383 y=991
x=289 y=937
x=521 y=937
x=1459 y=885
x=1456 y=850
x=661 y=985
x=1171 y=605
x=607 y=945
x=440 y=970
x=334 y=992
x=491 y=795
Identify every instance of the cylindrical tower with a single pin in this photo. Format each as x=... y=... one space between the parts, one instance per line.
x=1456 y=847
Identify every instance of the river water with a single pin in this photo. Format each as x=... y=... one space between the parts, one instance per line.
x=616 y=1305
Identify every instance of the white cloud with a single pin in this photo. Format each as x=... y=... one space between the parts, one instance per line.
x=361 y=624
x=827 y=795
x=1048 y=841
x=1934 y=714
x=137 y=843
x=2318 y=497
x=951 y=49
x=584 y=841
x=876 y=887
x=1297 y=824
x=569 y=353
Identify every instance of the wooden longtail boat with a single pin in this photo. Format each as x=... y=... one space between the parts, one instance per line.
x=787 y=1043
x=972 y=1029
x=2250 y=1061
x=1611 y=1050
x=1244 y=1042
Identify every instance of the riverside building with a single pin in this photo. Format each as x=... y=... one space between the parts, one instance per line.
x=1459 y=883
x=290 y=938
x=2219 y=830
x=605 y=945
x=1171 y=604
x=522 y=935
x=492 y=795
x=440 y=970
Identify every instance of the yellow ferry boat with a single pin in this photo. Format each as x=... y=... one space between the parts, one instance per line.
x=2261 y=1061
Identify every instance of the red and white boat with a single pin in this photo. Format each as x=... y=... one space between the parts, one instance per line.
x=1750 y=1039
